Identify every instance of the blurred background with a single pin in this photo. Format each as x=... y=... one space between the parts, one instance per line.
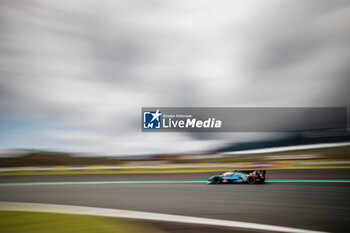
x=75 y=74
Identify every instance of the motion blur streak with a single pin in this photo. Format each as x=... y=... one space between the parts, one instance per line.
x=314 y=206
x=75 y=74
x=68 y=209
x=156 y=181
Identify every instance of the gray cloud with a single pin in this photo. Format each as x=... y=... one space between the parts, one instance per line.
x=88 y=67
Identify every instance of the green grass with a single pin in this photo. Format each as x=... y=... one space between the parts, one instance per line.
x=35 y=222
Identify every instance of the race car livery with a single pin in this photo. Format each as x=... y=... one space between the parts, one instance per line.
x=249 y=177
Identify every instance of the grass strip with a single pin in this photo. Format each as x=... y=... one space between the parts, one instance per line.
x=35 y=222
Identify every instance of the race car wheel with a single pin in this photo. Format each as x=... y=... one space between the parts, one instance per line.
x=251 y=180
x=261 y=181
x=216 y=180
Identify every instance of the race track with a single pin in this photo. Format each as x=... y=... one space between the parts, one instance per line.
x=271 y=174
x=314 y=206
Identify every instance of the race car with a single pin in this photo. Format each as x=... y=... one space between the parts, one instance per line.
x=248 y=177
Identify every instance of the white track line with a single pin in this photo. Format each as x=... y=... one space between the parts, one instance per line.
x=156 y=182
x=101 y=182
x=106 y=212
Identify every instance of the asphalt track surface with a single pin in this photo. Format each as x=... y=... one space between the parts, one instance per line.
x=310 y=205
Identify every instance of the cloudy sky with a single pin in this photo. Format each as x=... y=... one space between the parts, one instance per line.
x=75 y=74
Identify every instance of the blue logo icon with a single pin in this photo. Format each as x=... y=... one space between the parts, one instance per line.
x=152 y=120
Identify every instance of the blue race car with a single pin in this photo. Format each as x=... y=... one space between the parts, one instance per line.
x=249 y=177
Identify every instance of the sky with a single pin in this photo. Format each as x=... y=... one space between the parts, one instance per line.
x=75 y=74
